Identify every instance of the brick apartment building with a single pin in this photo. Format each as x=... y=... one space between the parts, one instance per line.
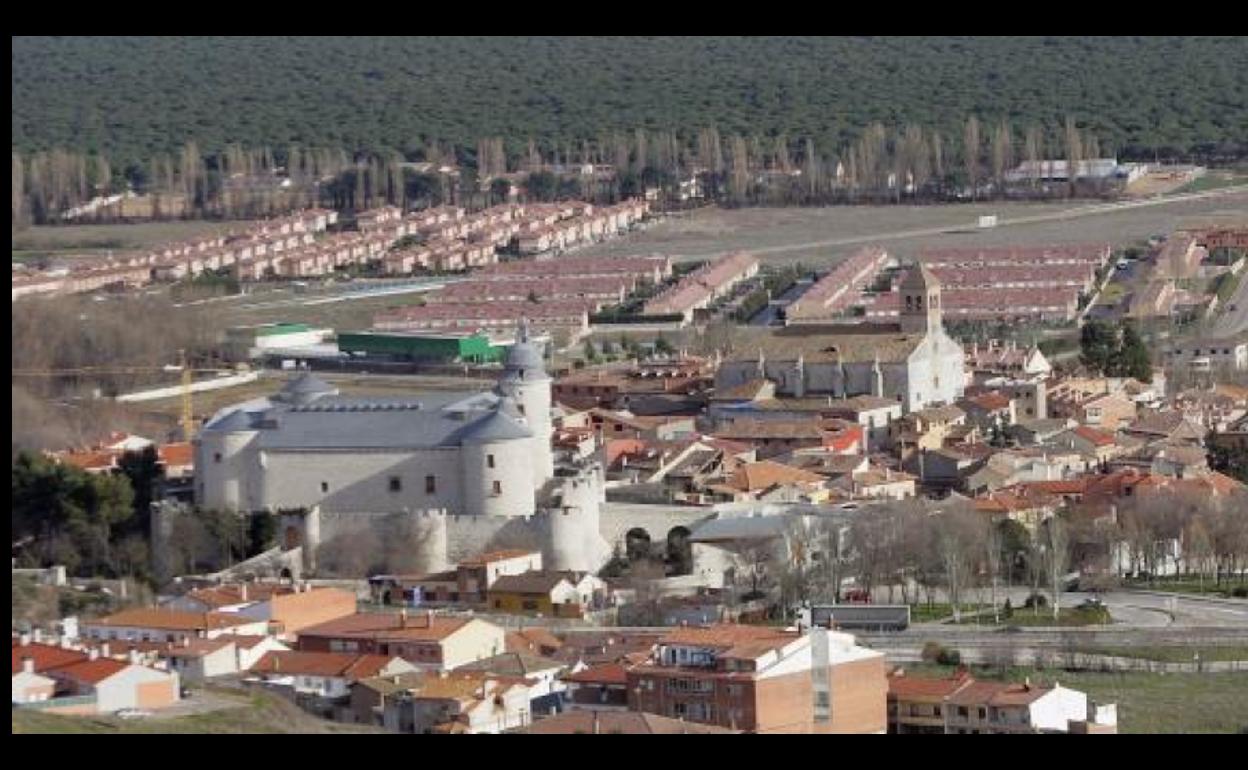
x=763 y=680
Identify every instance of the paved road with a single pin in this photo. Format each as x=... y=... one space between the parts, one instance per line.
x=770 y=314
x=1089 y=210
x=1134 y=609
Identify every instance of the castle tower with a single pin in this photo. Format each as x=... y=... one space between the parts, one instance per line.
x=525 y=381
x=920 y=301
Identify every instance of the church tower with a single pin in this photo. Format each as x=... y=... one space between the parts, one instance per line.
x=920 y=301
x=526 y=382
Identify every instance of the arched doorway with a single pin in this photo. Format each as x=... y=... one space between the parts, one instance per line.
x=679 y=551
x=637 y=544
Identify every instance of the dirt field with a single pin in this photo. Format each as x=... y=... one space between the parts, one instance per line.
x=821 y=235
x=87 y=240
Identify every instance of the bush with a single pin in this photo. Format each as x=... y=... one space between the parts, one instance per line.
x=1036 y=601
x=949 y=658
x=1007 y=611
x=935 y=652
x=1240 y=592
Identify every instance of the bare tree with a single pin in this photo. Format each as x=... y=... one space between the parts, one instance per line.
x=992 y=549
x=1057 y=558
x=1074 y=153
x=970 y=153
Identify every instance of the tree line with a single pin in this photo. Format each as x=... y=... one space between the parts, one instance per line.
x=909 y=162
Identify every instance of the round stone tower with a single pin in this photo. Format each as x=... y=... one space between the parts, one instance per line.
x=429 y=531
x=525 y=381
x=574 y=537
x=222 y=460
x=498 y=466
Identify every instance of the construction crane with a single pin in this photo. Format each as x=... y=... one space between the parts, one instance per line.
x=186 y=416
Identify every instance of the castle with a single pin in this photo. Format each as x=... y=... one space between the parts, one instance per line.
x=463 y=469
x=914 y=362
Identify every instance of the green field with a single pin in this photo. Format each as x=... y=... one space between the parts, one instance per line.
x=1147 y=703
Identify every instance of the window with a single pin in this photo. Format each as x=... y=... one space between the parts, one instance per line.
x=983 y=713
x=489 y=461
x=529 y=604
x=431 y=485
x=216 y=457
x=497 y=487
x=324 y=486
x=396 y=484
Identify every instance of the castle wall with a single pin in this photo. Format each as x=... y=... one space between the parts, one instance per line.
x=360 y=480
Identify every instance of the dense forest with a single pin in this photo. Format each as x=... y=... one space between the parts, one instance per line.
x=93 y=115
x=134 y=97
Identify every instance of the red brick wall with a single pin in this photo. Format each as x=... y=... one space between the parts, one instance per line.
x=860 y=697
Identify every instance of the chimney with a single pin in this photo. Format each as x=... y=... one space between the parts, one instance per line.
x=133 y=657
x=93 y=654
x=596 y=729
x=106 y=650
x=242 y=592
x=428 y=618
x=24 y=640
x=1027 y=683
x=403 y=618
x=36 y=636
x=28 y=664
x=184 y=641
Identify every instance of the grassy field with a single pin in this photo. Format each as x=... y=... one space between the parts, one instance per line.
x=1183 y=654
x=47 y=240
x=258 y=713
x=929 y=613
x=705 y=232
x=1191 y=586
x=1214 y=180
x=1147 y=703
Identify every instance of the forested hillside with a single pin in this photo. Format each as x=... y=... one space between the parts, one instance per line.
x=133 y=97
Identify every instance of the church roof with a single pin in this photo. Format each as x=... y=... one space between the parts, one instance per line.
x=819 y=345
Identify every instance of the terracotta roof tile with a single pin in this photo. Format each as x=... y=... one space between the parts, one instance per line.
x=45 y=656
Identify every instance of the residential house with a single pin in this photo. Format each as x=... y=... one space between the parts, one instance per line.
x=161 y=625
x=605 y=722
x=547 y=593
x=469 y=703
x=546 y=688
x=325 y=675
x=429 y=641
x=602 y=687
x=116 y=685
x=766 y=478
x=763 y=680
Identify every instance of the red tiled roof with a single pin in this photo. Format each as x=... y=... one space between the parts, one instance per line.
x=1094 y=436
x=172 y=620
x=726 y=635
x=327 y=664
x=92 y=671
x=902 y=687
x=605 y=673
x=45 y=656
x=388 y=626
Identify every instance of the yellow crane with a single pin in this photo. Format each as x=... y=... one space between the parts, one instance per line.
x=186 y=417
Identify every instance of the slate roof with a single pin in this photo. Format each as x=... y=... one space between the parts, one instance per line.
x=819 y=344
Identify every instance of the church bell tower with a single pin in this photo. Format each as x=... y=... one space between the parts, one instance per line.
x=920 y=301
